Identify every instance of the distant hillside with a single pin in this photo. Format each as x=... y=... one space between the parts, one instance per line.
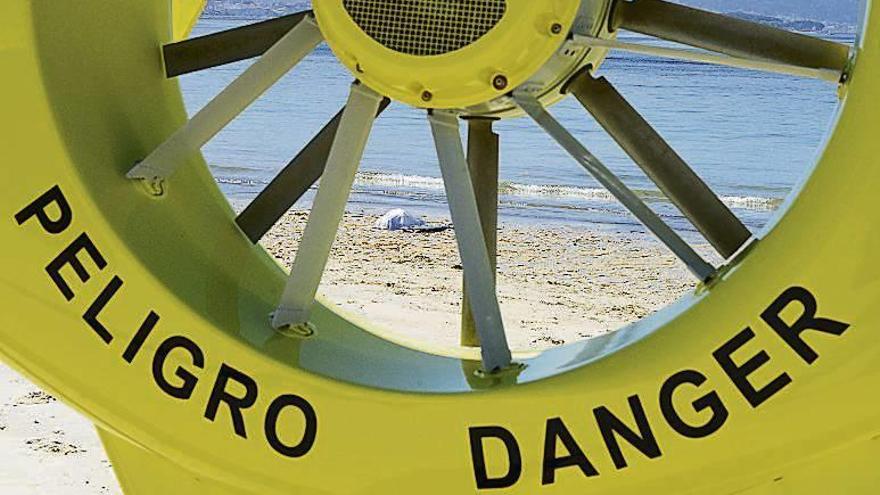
x=800 y=25
x=845 y=11
x=253 y=9
x=774 y=12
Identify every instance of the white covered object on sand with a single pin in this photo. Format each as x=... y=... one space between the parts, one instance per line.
x=398 y=219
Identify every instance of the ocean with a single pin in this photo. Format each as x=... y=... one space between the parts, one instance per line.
x=751 y=136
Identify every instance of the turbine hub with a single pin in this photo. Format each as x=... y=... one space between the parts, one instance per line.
x=457 y=54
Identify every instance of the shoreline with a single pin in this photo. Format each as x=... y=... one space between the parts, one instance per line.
x=521 y=204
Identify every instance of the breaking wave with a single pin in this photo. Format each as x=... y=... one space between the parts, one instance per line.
x=403 y=183
x=553 y=191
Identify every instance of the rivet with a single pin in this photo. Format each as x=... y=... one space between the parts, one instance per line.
x=155 y=186
x=302 y=330
x=500 y=82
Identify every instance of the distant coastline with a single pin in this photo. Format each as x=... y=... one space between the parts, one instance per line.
x=794 y=24
x=267 y=9
x=250 y=9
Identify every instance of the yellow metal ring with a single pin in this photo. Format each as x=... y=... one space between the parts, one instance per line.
x=764 y=383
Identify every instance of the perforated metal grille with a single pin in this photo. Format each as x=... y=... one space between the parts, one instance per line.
x=426 y=27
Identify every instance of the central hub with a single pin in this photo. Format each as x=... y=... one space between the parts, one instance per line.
x=445 y=54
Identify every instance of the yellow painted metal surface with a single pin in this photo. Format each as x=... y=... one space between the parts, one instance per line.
x=155 y=324
x=185 y=14
x=515 y=48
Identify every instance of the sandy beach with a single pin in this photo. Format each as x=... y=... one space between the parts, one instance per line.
x=555 y=284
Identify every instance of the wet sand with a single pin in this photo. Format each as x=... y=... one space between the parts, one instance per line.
x=555 y=285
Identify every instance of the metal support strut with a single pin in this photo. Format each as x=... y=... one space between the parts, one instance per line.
x=291 y=183
x=479 y=277
x=232 y=101
x=729 y=35
x=661 y=163
x=483 y=154
x=697 y=265
x=226 y=47
x=328 y=208
x=828 y=75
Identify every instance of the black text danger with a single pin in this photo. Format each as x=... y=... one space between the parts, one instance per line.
x=562 y=451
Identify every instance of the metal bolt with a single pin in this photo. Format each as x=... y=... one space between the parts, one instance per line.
x=427 y=96
x=301 y=330
x=155 y=186
x=556 y=28
x=500 y=82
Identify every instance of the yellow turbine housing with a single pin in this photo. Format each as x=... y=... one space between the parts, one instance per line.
x=149 y=314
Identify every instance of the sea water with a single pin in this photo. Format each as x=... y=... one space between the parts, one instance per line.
x=751 y=136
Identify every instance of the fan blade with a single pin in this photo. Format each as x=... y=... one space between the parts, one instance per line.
x=230 y=103
x=226 y=47
x=661 y=163
x=472 y=247
x=483 y=154
x=697 y=265
x=704 y=57
x=729 y=35
x=292 y=182
x=328 y=208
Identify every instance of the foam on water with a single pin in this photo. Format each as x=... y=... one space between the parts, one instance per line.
x=416 y=183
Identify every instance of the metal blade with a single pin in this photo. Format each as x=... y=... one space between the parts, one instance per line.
x=483 y=154
x=697 y=265
x=292 y=182
x=226 y=47
x=661 y=163
x=478 y=273
x=231 y=102
x=829 y=75
x=729 y=35
x=328 y=208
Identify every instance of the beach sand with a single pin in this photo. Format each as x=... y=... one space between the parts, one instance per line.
x=556 y=285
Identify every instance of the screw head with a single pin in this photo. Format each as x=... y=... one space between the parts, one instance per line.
x=427 y=96
x=556 y=28
x=500 y=82
x=303 y=330
x=155 y=186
